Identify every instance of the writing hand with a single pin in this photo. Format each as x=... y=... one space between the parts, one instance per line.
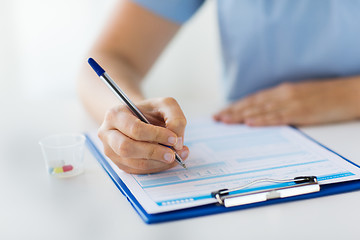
x=134 y=145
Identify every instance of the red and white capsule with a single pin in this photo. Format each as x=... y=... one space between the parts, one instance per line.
x=65 y=168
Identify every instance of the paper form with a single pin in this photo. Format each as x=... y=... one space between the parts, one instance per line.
x=228 y=156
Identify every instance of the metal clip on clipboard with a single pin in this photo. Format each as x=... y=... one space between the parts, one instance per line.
x=303 y=185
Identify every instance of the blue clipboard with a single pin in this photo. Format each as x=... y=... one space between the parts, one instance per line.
x=327 y=189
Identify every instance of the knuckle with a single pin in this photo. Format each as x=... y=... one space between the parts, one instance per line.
x=285 y=85
x=257 y=98
x=110 y=115
x=157 y=134
x=151 y=153
x=124 y=149
x=169 y=100
x=135 y=129
x=269 y=106
x=288 y=89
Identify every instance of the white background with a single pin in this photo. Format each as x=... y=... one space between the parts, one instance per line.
x=43 y=43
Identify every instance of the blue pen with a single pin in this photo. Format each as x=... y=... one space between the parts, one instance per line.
x=122 y=96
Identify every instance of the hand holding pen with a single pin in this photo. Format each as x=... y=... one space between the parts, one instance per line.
x=146 y=141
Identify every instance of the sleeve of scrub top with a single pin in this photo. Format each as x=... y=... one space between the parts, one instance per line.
x=178 y=11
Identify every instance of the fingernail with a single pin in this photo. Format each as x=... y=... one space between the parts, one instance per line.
x=249 y=121
x=169 y=157
x=184 y=154
x=179 y=144
x=216 y=117
x=172 y=140
x=226 y=118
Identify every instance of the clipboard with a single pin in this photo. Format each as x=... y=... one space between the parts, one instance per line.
x=209 y=209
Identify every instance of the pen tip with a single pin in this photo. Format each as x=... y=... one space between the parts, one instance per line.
x=99 y=71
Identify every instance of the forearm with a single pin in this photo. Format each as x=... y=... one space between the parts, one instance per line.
x=127 y=48
x=94 y=94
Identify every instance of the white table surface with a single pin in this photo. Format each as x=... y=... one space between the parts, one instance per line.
x=34 y=205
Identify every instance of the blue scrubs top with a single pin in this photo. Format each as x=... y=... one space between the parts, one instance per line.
x=267 y=42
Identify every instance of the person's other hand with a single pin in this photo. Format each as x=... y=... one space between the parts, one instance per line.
x=134 y=146
x=305 y=103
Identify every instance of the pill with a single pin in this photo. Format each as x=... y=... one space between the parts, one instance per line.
x=65 y=168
